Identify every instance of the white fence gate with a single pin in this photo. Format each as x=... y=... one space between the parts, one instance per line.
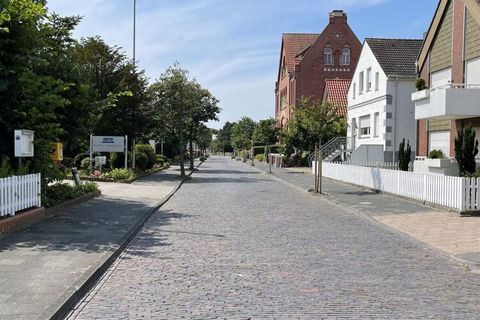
x=455 y=192
x=18 y=193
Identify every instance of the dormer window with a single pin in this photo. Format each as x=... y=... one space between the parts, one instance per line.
x=346 y=57
x=328 y=56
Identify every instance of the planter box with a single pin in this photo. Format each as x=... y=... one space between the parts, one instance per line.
x=420 y=95
x=438 y=163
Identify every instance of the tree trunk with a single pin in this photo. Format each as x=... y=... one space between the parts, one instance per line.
x=182 y=158
x=190 y=147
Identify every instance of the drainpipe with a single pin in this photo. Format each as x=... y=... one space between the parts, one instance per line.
x=395 y=122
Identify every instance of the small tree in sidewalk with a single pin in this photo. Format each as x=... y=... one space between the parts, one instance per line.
x=404 y=155
x=466 y=148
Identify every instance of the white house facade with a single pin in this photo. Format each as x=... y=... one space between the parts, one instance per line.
x=380 y=110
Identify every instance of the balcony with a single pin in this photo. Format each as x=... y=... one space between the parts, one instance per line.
x=452 y=101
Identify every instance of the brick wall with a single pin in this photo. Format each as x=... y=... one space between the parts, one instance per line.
x=312 y=70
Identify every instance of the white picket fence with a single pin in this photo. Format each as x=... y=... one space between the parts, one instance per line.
x=459 y=193
x=19 y=193
x=381 y=165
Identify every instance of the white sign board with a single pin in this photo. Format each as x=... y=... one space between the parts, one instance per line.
x=100 y=160
x=152 y=144
x=23 y=143
x=108 y=144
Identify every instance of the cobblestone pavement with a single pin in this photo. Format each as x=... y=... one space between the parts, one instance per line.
x=447 y=231
x=234 y=243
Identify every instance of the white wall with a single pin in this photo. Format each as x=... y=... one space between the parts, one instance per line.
x=403 y=122
x=369 y=102
x=472 y=72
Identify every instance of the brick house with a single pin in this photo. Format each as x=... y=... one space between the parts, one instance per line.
x=449 y=62
x=307 y=60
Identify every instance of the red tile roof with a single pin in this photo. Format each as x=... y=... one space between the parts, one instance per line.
x=294 y=43
x=336 y=92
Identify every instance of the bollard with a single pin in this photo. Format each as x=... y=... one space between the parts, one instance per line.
x=75 y=175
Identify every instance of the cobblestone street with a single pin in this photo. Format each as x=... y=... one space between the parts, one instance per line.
x=234 y=243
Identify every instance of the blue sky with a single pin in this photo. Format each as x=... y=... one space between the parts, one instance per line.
x=232 y=46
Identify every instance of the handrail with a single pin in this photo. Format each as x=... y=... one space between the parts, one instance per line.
x=327 y=149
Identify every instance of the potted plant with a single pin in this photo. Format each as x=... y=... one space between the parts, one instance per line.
x=437 y=159
x=422 y=92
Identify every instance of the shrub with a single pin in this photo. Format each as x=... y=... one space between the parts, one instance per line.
x=161 y=159
x=77 y=160
x=61 y=192
x=466 y=148
x=5 y=168
x=147 y=150
x=436 y=154
x=141 y=161
x=117 y=160
x=85 y=164
x=420 y=84
x=119 y=174
x=260 y=157
x=404 y=155
x=68 y=162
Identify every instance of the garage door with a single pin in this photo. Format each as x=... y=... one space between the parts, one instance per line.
x=440 y=140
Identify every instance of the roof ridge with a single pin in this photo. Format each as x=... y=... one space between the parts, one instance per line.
x=396 y=39
x=300 y=33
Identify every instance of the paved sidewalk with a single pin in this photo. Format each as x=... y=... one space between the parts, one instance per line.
x=454 y=235
x=42 y=267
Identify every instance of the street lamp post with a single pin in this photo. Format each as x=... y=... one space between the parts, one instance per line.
x=134 y=34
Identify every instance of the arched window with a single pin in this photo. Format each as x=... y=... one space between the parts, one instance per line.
x=346 y=56
x=328 y=56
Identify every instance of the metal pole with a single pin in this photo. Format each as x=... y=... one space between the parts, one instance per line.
x=320 y=160
x=91 y=153
x=269 y=158
x=134 y=35
x=126 y=152
x=134 y=28
x=316 y=167
x=253 y=158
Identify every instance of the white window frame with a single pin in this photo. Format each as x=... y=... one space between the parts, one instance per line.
x=328 y=56
x=364 y=130
x=360 y=83
x=376 y=124
x=346 y=54
x=354 y=89
x=369 y=79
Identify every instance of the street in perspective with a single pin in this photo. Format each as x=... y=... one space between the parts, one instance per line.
x=227 y=160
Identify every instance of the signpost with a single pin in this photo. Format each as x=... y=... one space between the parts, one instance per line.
x=100 y=161
x=108 y=144
x=24 y=143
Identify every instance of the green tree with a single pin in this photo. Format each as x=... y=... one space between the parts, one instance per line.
x=224 y=137
x=466 y=148
x=172 y=103
x=404 y=155
x=242 y=133
x=313 y=122
x=118 y=90
x=203 y=138
x=204 y=107
x=266 y=132
x=31 y=96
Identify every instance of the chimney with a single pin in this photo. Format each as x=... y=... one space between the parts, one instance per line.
x=338 y=16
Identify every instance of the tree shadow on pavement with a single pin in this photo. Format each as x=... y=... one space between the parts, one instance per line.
x=93 y=226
